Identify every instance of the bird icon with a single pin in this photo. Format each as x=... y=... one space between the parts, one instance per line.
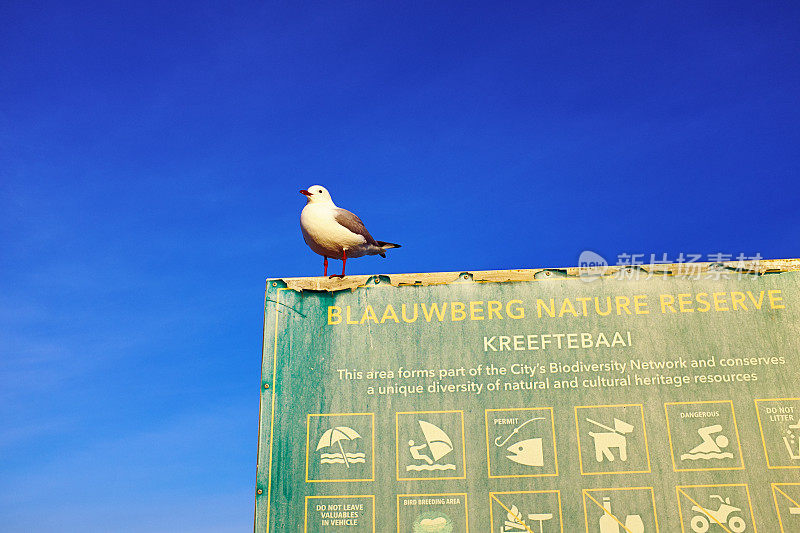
x=336 y=233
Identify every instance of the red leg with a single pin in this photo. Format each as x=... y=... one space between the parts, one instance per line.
x=344 y=262
x=325 y=273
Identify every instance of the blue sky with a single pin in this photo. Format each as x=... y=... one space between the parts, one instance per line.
x=151 y=154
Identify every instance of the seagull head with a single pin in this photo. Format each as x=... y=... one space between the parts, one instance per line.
x=317 y=194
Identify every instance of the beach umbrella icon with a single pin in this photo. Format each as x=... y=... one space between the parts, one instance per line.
x=335 y=436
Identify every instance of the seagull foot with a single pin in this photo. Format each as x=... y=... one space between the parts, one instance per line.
x=335 y=276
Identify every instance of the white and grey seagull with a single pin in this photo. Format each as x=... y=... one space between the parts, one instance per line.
x=336 y=233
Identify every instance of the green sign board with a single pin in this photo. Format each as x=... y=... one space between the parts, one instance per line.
x=533 y=401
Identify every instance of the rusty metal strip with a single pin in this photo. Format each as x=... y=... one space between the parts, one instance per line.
x=535 y=274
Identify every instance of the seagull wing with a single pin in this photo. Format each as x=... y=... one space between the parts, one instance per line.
x=354 y=224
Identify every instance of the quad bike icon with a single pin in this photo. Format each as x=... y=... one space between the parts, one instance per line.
x=702 y=521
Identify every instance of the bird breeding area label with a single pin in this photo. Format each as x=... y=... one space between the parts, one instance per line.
x=533 y=401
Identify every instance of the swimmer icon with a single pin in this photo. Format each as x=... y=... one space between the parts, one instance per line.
x=703 y=436
x=710 y=448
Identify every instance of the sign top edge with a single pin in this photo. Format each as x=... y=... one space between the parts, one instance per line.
x=319 y=283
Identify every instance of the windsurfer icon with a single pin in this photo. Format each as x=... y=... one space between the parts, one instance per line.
x=438 y=445
x=416 y=454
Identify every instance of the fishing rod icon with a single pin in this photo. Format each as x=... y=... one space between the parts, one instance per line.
x=525 y=452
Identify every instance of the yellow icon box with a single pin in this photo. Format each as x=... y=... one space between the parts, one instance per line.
x=552 y=428
x=493 y=497
x=672 y=427
x=309 y=499
x=449 y=495
x=779 y=494
x=587 y=495
x=711 y=517
x=371 y=441
x=790 y=442
x=635 y=469
x=463 y=449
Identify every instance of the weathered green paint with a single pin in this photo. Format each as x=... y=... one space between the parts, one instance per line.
x=306 y=392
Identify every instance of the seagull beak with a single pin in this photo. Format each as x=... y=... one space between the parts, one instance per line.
x=303 y=191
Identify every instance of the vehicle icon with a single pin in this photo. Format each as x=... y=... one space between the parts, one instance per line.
x=723 y=515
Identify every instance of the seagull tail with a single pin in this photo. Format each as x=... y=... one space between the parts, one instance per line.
x=386 y=246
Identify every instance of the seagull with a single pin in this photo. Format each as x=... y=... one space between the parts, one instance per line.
x=335 y=232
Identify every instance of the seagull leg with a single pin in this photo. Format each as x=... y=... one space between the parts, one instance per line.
x=325 y=272
x=344 y=262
